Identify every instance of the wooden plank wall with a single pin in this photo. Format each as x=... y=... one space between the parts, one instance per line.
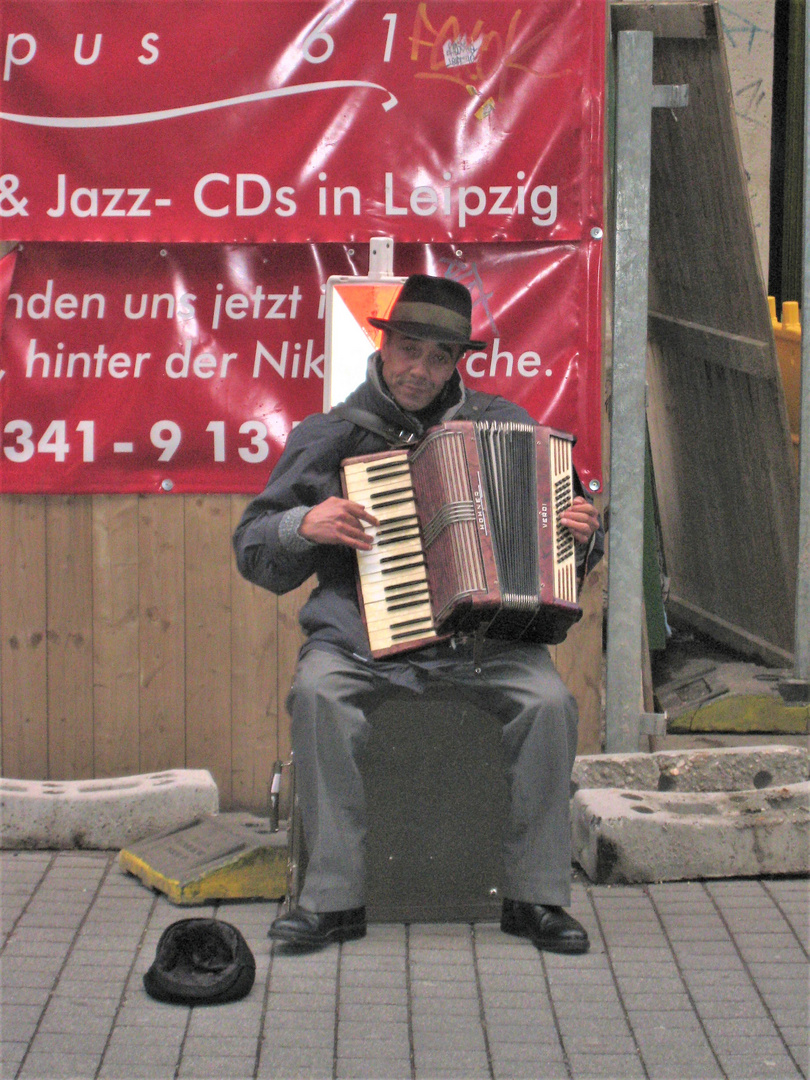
x=130 y=644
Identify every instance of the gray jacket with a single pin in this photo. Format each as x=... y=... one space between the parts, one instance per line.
x=269 y=550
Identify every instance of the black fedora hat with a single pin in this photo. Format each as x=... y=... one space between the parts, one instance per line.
x=200 y=962
x=434 y=309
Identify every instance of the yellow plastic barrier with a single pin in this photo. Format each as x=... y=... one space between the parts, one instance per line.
x=788 y=335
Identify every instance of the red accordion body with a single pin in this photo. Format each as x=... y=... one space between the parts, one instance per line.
x=469 y=539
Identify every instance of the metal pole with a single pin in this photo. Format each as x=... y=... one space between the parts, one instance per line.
x=634 y=105
x=802 y=639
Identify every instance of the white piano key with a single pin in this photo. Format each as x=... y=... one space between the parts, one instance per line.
x=362 y=468
x=380 y=494
x=383 y=586
x=420 y=613
x=382 y=555
x=394 y=575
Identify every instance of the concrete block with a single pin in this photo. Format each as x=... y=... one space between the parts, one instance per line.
x=734 y=768
x=626 y=836
x=635 y=771
x=105 y=814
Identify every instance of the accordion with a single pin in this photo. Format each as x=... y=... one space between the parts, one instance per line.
x=469 y=539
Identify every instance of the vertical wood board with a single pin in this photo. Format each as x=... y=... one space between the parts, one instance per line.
x=69 y=560
x=162 y=637
x=208 y=637
x=23 y=617
x=116 y=697
x=704 y=262
x=257 y=716
x=722 y=514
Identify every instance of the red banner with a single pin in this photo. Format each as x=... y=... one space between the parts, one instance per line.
x=140 y=368
x=301 y=121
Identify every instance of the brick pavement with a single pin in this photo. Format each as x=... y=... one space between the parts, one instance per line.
x=684 y=980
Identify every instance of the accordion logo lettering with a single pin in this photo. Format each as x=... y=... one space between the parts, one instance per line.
x=480 y=516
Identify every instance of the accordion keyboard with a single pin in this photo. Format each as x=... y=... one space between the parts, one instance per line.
x=393 y=574
x=565 y=567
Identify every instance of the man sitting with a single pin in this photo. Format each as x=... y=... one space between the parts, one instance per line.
x=301 y=525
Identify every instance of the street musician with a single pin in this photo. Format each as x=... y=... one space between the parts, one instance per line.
x=303 y=524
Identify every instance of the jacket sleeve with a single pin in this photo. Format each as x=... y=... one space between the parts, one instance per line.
x=269 y=549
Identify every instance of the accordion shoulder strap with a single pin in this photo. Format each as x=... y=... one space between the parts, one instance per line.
x=393 y=435
x=475 y=405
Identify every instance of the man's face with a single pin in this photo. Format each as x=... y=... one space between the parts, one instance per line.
x=414 y=370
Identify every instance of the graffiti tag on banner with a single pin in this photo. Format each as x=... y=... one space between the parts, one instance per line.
x=426 y=121
x=141 y=368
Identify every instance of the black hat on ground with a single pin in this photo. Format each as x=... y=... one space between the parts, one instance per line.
x=200 y=962
x=434 y=309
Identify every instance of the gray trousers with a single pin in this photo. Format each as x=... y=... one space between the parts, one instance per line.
x=329 y=701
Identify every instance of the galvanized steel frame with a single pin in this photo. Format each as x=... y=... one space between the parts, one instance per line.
x=634 y=104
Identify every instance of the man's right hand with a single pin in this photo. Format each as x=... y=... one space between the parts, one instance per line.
x=338 y=521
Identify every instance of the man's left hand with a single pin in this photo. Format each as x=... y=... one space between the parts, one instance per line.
x=581 y=518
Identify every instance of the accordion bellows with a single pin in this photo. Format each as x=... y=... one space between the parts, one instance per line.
x=469 y=538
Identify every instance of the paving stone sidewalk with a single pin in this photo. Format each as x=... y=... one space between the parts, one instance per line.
x=684 y=980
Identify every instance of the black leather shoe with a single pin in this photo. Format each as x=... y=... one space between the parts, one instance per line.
x=314 y=929
x=550 y=928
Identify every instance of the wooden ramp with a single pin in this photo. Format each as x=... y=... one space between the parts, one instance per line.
x=725 y=475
